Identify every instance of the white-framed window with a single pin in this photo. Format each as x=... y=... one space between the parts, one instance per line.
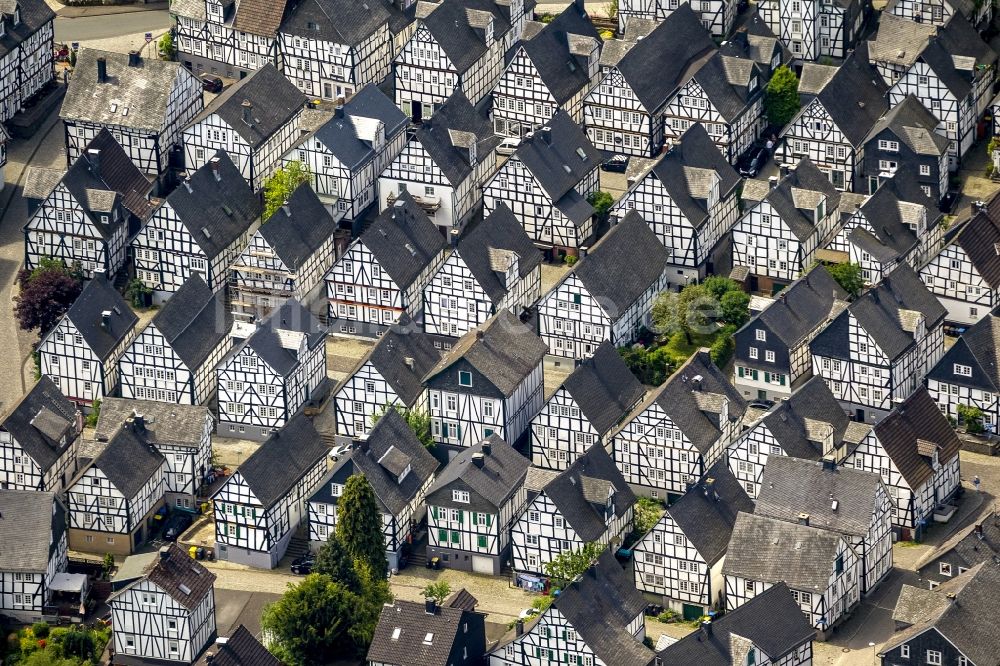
x=753 y=352
x=904 y=651
x=933 y=658
x=460 y=496
x=944 y=568
x=963 y=370
x=760 y=334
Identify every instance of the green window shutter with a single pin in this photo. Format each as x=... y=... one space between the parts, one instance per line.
x=482 y=541
x=538 y=651
x=460 y=514
x=577 y=298
x=767 y=376
x=755 y=375
x=739 y=370
x=443 y=536
x=237 y=531
x=253 y=512
x=455 y=538
x=782 y=380
x=434 y=512
x=489 y=520
x=458 y=430
x=564 y=634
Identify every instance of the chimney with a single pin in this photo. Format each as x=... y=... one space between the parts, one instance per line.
x=804 y=519
x=409 y=362
x=689 y=484
x=829 y=465
x=696 y=382
x=102 y=70
x=772 y=181
x=164 y=553
x=106 y=320
x=133 y=59
x=214 y=164
x=709 y=485
x=545 y=134
x=979 y=530
x=139 y=421
x=487 y=448
x=187 y=186
x=479 y=334
x=478 y=459
x=430 y=606
x=519 y=628
x=94 y=157
x=706 y=628
x=286 y=209
x=79 y=420
x=209 y=658
x=247 y=109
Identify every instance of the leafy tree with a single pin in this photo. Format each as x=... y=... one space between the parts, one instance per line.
x=137 y=292
x=720 y=285
x=569 y=564
x=438 y=591
x=166 y=45
x=374 y=593
x=848 y=276
x=91 y=422
x=611 y=9
x=280 y=186
x=359 y=524
x=312 y=621
x=650 y=366
x=418 y=420
x=647 y=513
x=971 y=417
x=781 y=98
x=334 y=561
x=734 y=306
x=47 y=292
x=602 y=203
x=723 y=346
x=78 y=644
x=692 y=310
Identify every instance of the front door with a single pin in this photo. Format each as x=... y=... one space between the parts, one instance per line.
x=761 y=395
x=859 y=415
x=416 y=111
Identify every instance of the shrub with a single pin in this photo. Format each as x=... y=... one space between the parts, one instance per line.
x=40 y=629
x=667 y=616
x=571 y=259
x=723 y=347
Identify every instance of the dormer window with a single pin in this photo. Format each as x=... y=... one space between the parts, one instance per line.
x=472 y=154
x=963 y=370
x=821 y=210
x=464 y=378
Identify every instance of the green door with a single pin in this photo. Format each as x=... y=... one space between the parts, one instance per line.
x=692 y=612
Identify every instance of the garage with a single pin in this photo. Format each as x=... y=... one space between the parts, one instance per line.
x=483 y=565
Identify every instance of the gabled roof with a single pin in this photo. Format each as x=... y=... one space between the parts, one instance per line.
x=796 y=195
x=603 y=388
x=272 y=471
x=908 y=429
x=183 y=579
x=457 y=26
x=798 y=424
x=979 y=542
x=136 y=97
x=774 y=551
x=273 y=343
x=164 y=423
x=403 y=356
x=194 y=321
x=129 y=461
x=337 y=21
x=499 y=231
x=436 y=135
x=726 y=82
x=40 y=420
x=407 y=634
x=978 y=348
x=956 y=53
x=88 y=313
x=914 y=125
x=899 y=41
x=403 y=240
x=559 y=51
x=259 y=17
x=242 y=649
x=215 y=204
x=980 y=238
x=689 y=168
x=349 y=134
x=274 y=100
x=893 y=207
x=772 y=621
x=491 y=485
x=31 y=527
x=34 y=15
x=621 y=266
x=755 y=41
x=298 y=229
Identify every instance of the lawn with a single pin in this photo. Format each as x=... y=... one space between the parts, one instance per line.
x=679 y=350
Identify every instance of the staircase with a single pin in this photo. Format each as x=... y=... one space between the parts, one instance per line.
x=298 y=546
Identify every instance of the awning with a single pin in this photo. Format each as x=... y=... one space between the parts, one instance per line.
x=67 y=582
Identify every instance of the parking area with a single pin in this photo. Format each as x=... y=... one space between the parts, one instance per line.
x=236 y=607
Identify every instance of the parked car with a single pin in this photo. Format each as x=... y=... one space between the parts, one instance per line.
x=302 y=566
x=616 y=163
x=753 y=161
x=508 y=146
x=339 y=450
x=176 y=525
x=212 y=84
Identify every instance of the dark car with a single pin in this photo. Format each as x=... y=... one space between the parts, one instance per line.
x=303 y=565
x=616 y=163
x=176 y=525
x=753 y=161
x=212 y=84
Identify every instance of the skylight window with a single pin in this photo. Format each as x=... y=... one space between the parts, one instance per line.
x=429 y=638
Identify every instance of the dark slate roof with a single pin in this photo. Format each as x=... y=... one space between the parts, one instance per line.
x=503 y=350
x=726 y=82
x=499 y=231
x=285 y=457
x=389 y=356
x=684 y=171
x=33 y=522
x=266 y=340
x=791 y=486
x=219 y=207
x=347 y=136
x=979 y=238
x=890 y=209
x=666 y=58
x=184 y=580
x=755 y=40
x=490 y=486
x=337 y=21
x=34 y=15
x=978 y=348
x=805 y=176
x=557 y=52
x=129 y=461
x=916 y=421
x=599 y=605
x=413 y=624
x=437 y=136
x=274 y=100
x=194 y=321
x=403 y=240
x=453 y=25
x=707 y=512
x=856 y=97
x=298 y=229
x=979 y=542
x=771 y=620
x=958 y=39
x=242 y=649
x=553 y=156
x=99 y=296
x=182 y=425
x=604 y=388
x=626 y=262
x=789 y=422
x=772 y=551
x=915 y=126
x=259 y=17
x=39 y=420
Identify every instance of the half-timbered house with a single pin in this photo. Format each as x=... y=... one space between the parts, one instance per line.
x=112 y=501
x=330 y=49
x=897 y=44
x=34 y=531
x=587 y=405
x=400 y=471
x=168 y=615
x=494 y=267
x=840 y=106
x=488 y=383
x=812 y=29
x=968 y=376
x=260 y=507
x=876 y=352
x=546 y=183
x=286 y=257
x=266 y=380
x=444 y=165
x=965 y=274
x=381 y=276
x=689 y=199
x=81 y=354
x=588 y=502
x=904 y=142
x=348 y=151
x=597 y=619
x=772 y=356
x=143 y=102
x=755 y=41
x=182 y=433
x=86 y=215
x=201 y=227
x=255 y=121
x=624 y=112
x=26 y=54
x=554 y=67
x=810 y=425
x=39 y=440
x=608 y=295
x=679 y=431
x=718 y=16
x=473 y=504
x=818 y=565
x=429 y=634
x=678 y=563
x=915 y=450
x=173 y=359
x=225 y=37
x=785 y=222
x=390 y=374
x=939 y=13
x=979 y=542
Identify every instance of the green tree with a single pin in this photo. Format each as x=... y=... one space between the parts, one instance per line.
x=720 y=285
x=374 y=594
x=166 y=45
x=312 y=621
x=723 y=346
x=46 y=293
x=611 y=9
x=418 y=420
x=137 y=293
x=971 y=417
x=334 y=561
x=781 y=98
x=79 y=644
x=569 y=564
x=734 y=306
x=650 y=366
x=280 y=186
x=359 y=524
x=647 y=513
x=602 y=203
x=848 y=276
x=690 y=311
x=438 y=591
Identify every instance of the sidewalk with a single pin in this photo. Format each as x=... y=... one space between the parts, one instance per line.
x=65 y=11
